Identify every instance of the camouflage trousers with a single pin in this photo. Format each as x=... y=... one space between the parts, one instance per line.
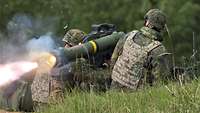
x=64 y=79
x=96 y=79
x=57 y=89
x=117 y=86
x=61 y=80
x=143 y=83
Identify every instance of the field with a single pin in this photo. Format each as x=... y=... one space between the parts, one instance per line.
x=172 y=98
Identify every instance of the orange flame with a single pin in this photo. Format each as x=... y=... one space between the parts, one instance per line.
x=13 y=71
x=46 y=61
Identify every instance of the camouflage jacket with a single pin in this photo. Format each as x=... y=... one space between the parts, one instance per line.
x=87 y=76
x=125 y=59
x=49 y=86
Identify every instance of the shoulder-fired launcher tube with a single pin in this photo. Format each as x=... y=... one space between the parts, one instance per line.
x=92 y=47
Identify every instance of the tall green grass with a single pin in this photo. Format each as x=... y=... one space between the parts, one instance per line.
x=172 y=98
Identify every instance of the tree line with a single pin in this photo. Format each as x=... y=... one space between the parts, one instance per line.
x=127 y=15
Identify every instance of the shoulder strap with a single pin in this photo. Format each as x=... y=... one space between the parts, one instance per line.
x=132 y=34
x=153 y=46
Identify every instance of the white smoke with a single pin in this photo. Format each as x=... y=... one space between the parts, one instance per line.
x=44 y=43
x=20 y=28
x=20 y=39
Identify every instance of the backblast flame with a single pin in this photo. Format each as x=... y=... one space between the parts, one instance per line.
x=13 y=71
x=51 y=60
x=10 y=72
x=46 y=61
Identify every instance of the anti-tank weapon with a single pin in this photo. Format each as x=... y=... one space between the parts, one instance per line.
x=92 y=47
x=100 y=30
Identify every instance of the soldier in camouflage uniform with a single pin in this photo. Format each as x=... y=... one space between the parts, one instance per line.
x=140 y=56
x=82 y=73
x=49 y=86
x=73 y=37
x=63 y=76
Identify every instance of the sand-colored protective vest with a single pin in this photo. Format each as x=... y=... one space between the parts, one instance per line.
x=129 y=67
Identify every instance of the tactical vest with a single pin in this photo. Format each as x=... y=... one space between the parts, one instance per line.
x=129 y=68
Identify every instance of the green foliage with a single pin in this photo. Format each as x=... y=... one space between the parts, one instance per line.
x=183 y=16
x=165 y=99
x=183 y=21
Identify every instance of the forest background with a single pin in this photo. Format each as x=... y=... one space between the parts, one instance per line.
x=182 y=18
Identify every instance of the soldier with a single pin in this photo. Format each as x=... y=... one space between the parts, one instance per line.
x=63 y=75
x=49 y=86
x=81 y=70
x=81 y=73
x=73 y=37
x=140 y=56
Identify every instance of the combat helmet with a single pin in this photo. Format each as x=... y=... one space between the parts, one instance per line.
x=156 y=18
x=74 y=36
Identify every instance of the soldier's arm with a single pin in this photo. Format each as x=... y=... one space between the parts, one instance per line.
x=118 y=50
x=161 y=63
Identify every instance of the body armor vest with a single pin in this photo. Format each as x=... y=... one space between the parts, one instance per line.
x=129 y=67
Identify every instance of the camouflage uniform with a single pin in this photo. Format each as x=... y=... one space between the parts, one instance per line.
x=48 y=86
x=40 y=88
x=63 y=75
x=81 y=74
x=140 y=56
x=73 y=37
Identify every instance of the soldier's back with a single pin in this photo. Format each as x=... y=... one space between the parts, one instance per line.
x=138 y=59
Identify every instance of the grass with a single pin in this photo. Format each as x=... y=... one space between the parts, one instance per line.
x=172 y=98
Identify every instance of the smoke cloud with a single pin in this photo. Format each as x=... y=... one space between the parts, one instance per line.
x=27 y=34
x=44 y=43
x=20 y=28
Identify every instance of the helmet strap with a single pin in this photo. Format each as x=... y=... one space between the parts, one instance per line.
x=146 y=23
